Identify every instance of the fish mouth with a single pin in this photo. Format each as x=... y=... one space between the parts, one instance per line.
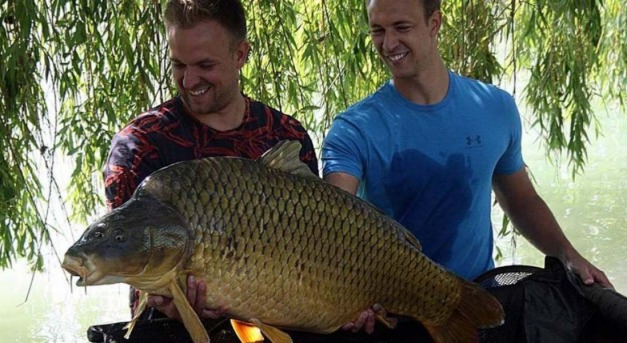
x=76 y=267
x=89 y=272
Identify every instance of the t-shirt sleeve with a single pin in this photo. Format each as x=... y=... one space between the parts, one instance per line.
x=131 y=159
x=511 y=161
x=342 y=149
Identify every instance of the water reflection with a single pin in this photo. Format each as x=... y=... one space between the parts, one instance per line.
x=591 y=209
x=55 y=312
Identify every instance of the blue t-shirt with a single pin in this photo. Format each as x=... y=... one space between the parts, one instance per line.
x=430 y=167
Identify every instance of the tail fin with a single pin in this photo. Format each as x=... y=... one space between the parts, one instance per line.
x=477 y=309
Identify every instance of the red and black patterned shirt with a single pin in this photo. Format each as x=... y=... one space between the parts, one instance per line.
x=167 y=134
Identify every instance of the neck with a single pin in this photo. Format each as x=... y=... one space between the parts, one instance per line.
x=227 y=118
x=428 y=87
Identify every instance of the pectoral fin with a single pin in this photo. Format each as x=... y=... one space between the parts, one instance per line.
x=246 y=333
x=411 y=239
x=143 y=300
x=274 y=335
x=382 y=316
x=190 y=319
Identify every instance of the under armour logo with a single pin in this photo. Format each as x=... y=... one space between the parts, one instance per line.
x=473 y=141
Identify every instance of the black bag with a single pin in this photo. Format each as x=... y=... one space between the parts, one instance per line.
x=541 y=305
x=553 y=305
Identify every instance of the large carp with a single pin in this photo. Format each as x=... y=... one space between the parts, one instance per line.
x=278 y=247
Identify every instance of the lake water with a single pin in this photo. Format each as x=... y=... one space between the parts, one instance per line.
x=591 y=210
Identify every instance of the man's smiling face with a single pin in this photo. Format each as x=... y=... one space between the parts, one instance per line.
x=205 y=65
x=403 y=37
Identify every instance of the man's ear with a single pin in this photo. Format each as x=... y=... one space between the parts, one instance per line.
x=435 y=23
x=241 y=53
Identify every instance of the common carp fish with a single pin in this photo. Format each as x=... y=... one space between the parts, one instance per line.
x=279 y=247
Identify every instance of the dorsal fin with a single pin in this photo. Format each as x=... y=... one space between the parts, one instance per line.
x=284 y=156
x=409 y=237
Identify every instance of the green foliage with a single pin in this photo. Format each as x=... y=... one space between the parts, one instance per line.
x=22 y=100
x=313 y=62
x=566 y=35
x=468 y=37
x=611 y=73
x=73 y=72
x=76 y=71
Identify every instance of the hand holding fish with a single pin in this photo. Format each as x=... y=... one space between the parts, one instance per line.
x=365 y=320
x=196 y=295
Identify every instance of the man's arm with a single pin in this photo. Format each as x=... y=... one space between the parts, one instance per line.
x=535 y=221
x=344 y=181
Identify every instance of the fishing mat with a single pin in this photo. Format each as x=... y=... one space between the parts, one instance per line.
x=546 y=304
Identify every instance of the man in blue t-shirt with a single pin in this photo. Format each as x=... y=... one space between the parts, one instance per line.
x=429 y=146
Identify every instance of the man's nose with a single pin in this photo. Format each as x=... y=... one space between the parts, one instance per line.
x=190 y=78
x=390 y=41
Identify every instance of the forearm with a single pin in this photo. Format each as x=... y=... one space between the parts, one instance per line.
x=344 y=181
x=535 y=221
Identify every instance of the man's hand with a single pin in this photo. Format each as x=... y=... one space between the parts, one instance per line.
x=588 y=273
x=365 y=321
x=367 y=318
x=196 y=295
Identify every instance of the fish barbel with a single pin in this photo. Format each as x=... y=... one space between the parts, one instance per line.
x=279 y=247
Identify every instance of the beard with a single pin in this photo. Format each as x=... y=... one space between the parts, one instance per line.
x=215 y=99
x=210 y=102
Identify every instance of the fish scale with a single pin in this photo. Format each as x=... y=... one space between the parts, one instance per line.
x=230 y=193
x=283 y=249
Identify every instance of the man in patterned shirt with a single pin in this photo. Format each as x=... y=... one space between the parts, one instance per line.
x=209 y=117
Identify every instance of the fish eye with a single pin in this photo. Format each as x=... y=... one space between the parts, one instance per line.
x=118 y=235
